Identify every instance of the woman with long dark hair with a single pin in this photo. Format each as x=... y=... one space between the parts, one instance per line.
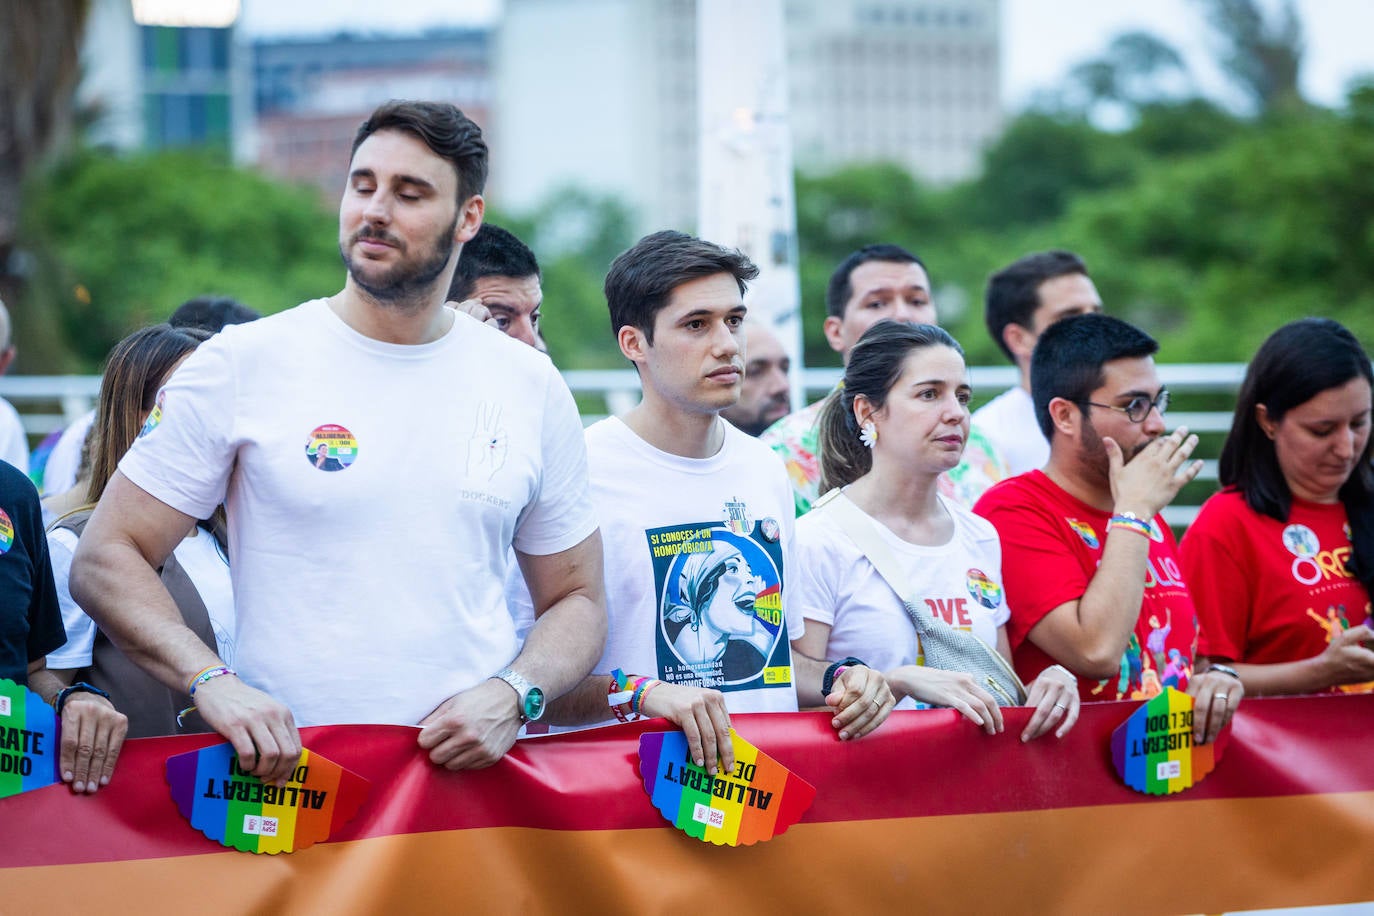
x=898 y=422
x=1280 y=563
x=197 y=572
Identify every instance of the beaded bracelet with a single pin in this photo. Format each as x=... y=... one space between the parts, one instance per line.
x=1131 y=522
x=209 y=674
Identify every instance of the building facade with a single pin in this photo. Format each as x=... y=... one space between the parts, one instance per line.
x=601 y=94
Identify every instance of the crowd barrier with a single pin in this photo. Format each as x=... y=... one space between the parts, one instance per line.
x=928 y=814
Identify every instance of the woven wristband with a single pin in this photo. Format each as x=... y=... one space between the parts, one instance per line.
x=1131 y=523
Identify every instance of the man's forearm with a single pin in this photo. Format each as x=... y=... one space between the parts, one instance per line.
x=585 y=704
x=125 y=597
x=1110 y=606
x=564 y=645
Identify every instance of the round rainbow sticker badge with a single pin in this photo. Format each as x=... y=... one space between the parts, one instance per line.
x=331 y=447
x=983 y=589
x=6 y=532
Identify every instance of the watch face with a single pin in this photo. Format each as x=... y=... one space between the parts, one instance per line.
x=534 y=703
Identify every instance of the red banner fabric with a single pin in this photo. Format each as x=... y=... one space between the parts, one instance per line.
x=928 y=813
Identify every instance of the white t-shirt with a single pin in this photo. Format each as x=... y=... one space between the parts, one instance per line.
x=14 y=444
x=374 y=491
x=697 y=554
x=199 y=556
x=961 y=580
x=1009 y=421
x=64 y=461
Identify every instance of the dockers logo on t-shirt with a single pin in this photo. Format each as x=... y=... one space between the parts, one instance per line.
x=719 y=621
x=6 y=532
x=1085 y=531
x=984 y=589
x=331 y=448
x=154 y=415
x=489 y=443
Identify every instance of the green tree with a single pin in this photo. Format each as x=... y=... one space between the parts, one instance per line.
x=39 y=47
x=1261 y=54
x=121 y=241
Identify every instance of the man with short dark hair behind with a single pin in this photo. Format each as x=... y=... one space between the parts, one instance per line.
x=1089 y=565
x=499 y=272
x=766 y=395
x=368 y=586
x=873 y=283
x=1023 y=299
x=211 y=313
x=697 y=518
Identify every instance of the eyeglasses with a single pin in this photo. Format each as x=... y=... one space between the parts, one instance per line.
x=1140 y=406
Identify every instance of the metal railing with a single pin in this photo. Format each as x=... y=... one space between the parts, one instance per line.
x=49 y=402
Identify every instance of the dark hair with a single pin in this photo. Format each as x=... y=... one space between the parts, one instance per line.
x=839 y=290
x=1013 y=292
x=875 y=366
x=492 y=252
x=211 y=313
x=133 y=375
x=1068 y=359
x=642 y=279
x=448 y=133
x=1295 y=364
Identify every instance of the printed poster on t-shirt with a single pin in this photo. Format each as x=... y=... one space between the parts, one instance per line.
x=719 y=588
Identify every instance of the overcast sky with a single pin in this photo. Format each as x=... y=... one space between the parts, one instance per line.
x=1042 y=39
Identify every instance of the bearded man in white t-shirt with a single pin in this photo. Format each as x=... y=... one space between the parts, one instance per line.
x=698 y=522
x=370 y=517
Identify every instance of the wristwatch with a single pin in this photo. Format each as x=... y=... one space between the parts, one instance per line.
x=531 y=695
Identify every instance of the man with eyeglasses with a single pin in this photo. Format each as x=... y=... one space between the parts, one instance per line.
x=1090 y=568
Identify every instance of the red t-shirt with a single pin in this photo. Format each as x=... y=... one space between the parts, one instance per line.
x=1051 y=545
x=1270 y=591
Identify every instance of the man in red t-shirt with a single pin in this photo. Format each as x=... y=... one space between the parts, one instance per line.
x=1089 y=567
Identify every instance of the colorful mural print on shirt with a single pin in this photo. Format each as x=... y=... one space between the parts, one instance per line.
x=1153 y=750
x=331 y=448
x=1308 y=569
x=6 y=533
x=719 y=588
x=28 y=740
x=756 y=801
x=241 y=811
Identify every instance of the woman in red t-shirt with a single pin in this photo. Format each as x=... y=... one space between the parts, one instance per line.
x=1281 y=562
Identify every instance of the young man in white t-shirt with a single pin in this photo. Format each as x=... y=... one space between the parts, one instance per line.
x=379 y=455
x=1023 y=299
x=698 y=521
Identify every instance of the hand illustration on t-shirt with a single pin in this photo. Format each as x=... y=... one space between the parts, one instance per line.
x=487 y=447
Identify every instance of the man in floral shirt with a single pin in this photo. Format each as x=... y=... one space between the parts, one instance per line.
x=874 y=283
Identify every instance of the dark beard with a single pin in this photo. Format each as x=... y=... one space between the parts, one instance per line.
x=404 y=285
x=1092 y=454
